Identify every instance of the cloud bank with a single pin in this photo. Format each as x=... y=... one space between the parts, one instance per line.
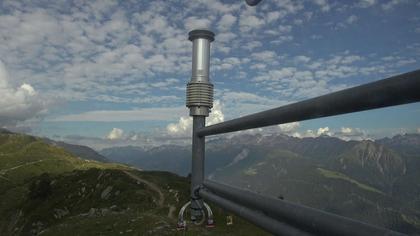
x=17 y=104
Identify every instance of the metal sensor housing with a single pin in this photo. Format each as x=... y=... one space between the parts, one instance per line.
x=199 y=89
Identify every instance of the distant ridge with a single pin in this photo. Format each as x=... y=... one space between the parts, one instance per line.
x=5 y=131
x=81 y=151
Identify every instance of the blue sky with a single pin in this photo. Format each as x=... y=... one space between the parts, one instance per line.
x=115 y=72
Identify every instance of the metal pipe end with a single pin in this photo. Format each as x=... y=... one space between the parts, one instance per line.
x=201 y=33
x=252 y=2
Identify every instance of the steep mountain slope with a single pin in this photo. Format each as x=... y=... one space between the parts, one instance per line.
x=83 y=152
x=407 y=188
x=288 y=175
x=45 y=190
x=374 y=164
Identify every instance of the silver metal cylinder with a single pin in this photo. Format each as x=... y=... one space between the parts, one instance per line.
x=199 y=89
x=200 y=60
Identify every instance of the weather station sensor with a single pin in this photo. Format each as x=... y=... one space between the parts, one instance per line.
x=199 y=101
x=199 y=89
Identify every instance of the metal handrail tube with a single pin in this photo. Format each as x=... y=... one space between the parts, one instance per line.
x=302 y=217
x=269 y=224
x=396 y=90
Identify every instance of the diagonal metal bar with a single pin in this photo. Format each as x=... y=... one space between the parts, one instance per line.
x=302 y=217
x=396 y=90
x=271 y=225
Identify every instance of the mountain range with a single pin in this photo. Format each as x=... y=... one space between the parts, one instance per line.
x=55 y=188
x=377 y=181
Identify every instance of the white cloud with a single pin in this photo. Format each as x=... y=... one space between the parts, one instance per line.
x=249 y=46
x=281 y=31
x=302 y=59
x=192 y=23
x=219 y=7
x=366 y=3
x=18 y=104
x=134 y=137
x=248 y=21
x=347 y=133
x=306 y=134
x=225 y=37
x=289 y=128
x=323 y=131
x=351 y=19
x=226 y=64
x=184 y=126
x=216 y=115
x=226 y=22
x=346 y=130
x=325 y=6
x=273 y=16
x=115 y=133
x=393 y=3
x=28 y=89
x=289 y=6
x=265 y=56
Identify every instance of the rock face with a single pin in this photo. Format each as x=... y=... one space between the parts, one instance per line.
x=374 y=164
x=105 y=194
x=60 y=213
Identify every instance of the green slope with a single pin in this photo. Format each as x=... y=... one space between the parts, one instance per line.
x=45 y=190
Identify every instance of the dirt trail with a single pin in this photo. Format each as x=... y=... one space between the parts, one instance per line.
x=155 y=188
x=2 y=177
x=150 y=185
x=4 y=171
x=171 y=211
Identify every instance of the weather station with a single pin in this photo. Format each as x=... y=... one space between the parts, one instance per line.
x=276 y=215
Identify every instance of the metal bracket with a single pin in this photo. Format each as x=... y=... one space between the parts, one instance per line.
x=182 y=223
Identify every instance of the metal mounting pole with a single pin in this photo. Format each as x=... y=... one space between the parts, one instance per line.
x=199 y=101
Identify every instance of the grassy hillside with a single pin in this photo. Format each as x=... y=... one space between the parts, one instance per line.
x=47 y=191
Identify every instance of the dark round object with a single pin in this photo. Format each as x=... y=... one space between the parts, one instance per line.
x=207 y=34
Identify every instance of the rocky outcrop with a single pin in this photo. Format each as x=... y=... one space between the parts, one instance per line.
x=373 y=163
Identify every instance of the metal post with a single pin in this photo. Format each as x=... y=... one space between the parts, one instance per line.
x=197 y=166
x=200 y=101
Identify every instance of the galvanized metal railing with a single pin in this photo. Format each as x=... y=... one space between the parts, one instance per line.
x=280 y=217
